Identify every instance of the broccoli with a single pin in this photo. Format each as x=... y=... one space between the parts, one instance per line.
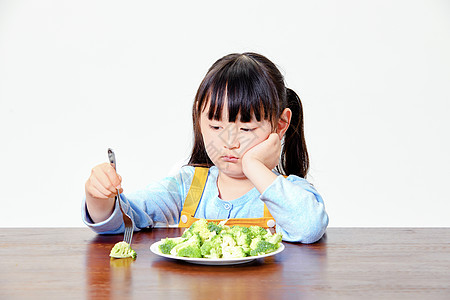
x=193 y=242
x=122 y=250
x=202 y=228
x=254 y=242
x=263 y=247
x=215 y=253
x=228 y=240
x=242 y=237
x=206 y=248
x=239 y=229
x=210 y=240
x=274 y=239
x=190 y=251
x=256 y=231
x=214 y=227
x=213 y=247
x=233 y=252
x=266 y=235
x=168 y=243
x=187 y=234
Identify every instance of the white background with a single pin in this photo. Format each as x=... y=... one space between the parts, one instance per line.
x=77 y=77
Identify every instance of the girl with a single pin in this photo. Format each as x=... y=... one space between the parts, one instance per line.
x=248 y=163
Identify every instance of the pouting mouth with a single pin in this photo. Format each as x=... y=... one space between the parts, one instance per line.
x=230 y=157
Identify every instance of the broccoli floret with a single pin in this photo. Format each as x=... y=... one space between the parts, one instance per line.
x=228 y=240
x=206 y=248
x=214 y=227
x=187 y=234
x=237 y=228
x=256 y=231
x=274 y=239
x=168 y=243
x=200 y=227
x=247 y=250
x=233 y=252
x=215 y=253
x=212 y=247
x=254 y=243
x=190 y=251
x=263 y=247
x=266 y=235
x=122 y=250
x=242 y=238
x=194 y=241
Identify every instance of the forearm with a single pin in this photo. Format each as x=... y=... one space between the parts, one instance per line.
x=259 y=174
x=298 y=209
x=99 y=209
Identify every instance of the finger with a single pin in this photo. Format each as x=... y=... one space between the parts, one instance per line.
x=273 y=136
x=113 y=177
x=120 y=184
x=103 y=180
x=94 y=192
x=108 y=192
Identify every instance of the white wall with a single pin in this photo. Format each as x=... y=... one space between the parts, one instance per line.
x=77 y=77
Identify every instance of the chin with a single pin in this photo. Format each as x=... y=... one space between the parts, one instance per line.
x=231 y=170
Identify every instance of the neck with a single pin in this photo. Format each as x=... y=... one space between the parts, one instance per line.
x=233 y=187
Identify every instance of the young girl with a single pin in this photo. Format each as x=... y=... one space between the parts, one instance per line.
x=248 y=163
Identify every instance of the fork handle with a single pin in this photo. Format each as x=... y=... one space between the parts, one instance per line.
x=112 y=160
x=112 y=157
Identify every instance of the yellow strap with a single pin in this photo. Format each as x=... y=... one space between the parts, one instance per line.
x=267 y=213
x=196 y=190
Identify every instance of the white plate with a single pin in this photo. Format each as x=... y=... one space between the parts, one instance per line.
x=213 y=261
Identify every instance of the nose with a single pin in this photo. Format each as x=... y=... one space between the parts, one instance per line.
x=230 y=138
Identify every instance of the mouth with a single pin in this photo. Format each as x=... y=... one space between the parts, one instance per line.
x=229 y=158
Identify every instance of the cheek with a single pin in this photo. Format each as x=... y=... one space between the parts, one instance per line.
x=208 y=138
x=250 y=142
x=211 y=145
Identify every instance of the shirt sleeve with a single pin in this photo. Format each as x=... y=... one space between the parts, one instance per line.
x=298 y=209
x=160 y=203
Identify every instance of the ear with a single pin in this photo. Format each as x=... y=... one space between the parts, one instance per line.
x=283 y=122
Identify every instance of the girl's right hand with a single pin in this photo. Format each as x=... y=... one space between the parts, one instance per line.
x=103 y=182
x=101 y=189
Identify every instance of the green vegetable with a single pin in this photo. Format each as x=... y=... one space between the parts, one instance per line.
x=188 y=248
x=210 y=240
x=263 y=247
x=169 y=243
x=122 y=250
x=201 y=228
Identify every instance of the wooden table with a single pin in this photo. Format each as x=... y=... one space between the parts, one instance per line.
x=73 y=263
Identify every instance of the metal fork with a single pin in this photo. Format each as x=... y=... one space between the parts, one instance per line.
x=128 y=233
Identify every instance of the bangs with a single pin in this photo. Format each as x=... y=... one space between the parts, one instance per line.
x=245 y=87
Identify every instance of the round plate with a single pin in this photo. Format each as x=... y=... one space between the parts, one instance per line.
x=213 y=261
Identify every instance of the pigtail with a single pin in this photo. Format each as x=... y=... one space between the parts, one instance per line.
x=294 y=155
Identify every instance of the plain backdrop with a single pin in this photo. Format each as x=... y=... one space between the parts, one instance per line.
x=77 y=77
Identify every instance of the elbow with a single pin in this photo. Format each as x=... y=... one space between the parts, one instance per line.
x=309 y=231
x=316 y=229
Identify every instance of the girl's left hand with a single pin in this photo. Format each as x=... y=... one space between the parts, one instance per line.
x=267 y=152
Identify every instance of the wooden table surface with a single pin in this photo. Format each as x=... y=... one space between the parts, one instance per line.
x=369 y=263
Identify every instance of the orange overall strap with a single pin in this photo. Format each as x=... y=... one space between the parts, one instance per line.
x=196 y=190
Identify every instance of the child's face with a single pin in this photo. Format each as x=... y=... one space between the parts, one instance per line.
x=227 y=142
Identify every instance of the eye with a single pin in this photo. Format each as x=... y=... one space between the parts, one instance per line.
x=247 y=129
x=214 y=127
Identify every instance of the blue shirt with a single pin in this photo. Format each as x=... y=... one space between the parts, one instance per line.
x=296 y=206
